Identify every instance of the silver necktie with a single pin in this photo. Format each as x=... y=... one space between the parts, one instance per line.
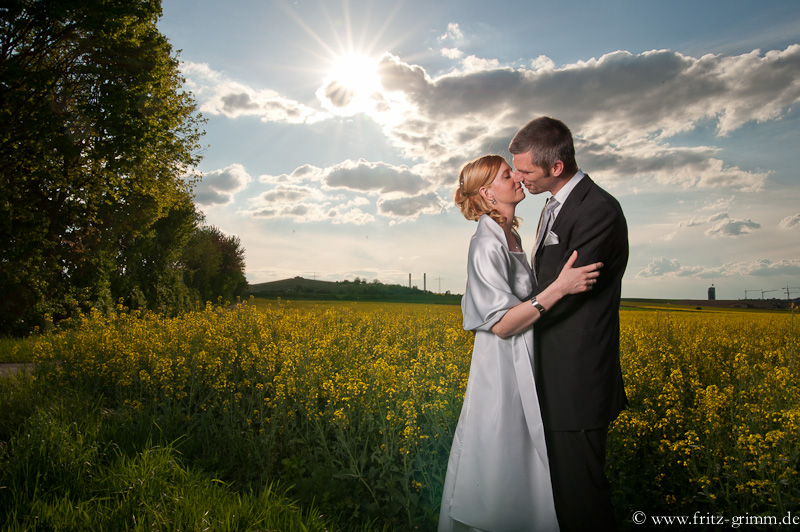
x=545 y=223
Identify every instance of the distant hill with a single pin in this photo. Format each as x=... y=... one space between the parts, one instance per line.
x=301 y=288
x=763 y=304
x=705 y=304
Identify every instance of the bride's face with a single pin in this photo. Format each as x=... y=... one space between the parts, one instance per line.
x=507 y=187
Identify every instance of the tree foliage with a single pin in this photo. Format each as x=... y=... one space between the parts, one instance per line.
x=214 y=265
x=96 y=141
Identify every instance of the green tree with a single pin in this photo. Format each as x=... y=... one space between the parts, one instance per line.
x=214 y=265
x=150 y=269
x=96 y=140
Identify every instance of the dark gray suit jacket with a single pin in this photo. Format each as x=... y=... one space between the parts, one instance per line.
x=577 y=367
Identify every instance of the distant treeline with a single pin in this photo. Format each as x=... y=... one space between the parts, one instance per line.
x=357 y=290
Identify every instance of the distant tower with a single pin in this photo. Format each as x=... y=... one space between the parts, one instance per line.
x=712 y=293
x=424 y=282
x=409 y=280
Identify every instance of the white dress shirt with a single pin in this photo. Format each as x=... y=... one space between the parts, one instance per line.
x=561 y=195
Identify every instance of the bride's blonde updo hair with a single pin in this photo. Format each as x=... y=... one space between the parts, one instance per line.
x=474 y=176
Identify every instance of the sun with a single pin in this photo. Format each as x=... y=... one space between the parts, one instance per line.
x=356 y=71
x=351 y=85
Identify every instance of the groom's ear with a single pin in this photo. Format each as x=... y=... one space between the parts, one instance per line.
x=557 y=168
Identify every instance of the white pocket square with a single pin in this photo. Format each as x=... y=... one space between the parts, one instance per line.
x=551 y=239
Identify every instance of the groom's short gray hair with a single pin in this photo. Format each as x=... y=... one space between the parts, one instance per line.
x=549 y=140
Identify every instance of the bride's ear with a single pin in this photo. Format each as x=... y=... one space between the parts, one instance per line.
x=485 y=194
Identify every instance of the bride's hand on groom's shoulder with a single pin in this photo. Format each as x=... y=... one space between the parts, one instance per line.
x=581 y=279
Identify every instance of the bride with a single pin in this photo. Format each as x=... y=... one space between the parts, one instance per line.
x=498 y=477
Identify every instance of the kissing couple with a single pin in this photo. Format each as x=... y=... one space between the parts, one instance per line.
x=545 y=381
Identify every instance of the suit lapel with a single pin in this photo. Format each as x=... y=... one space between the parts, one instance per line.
x=569 y=211
x=566 y=217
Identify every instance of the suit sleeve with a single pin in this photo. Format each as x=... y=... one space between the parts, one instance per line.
x=599 y=235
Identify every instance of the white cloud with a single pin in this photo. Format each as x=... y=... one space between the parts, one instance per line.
x=666 y=92
x=765 y=267
x=622 y=108
x=354 y=216
x=476 y=64
x=723 y=225
x=688 y=168
x=671 y=268
x=790 y=222
x=299 y=212
x=409 y=208
x=301 y=174
x=452 y=53
x=219 y=186
x=361 y=175
x=288 y=194
x=378 y=177
x=720 y=204
x=695 y=222
x=663 y=266
x=543 y=63
x=727 y=227
x=219 y=95
x=300 y=203
x=309 y=193
x=453 y=33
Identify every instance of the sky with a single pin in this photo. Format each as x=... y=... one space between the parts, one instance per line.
x=336 y=130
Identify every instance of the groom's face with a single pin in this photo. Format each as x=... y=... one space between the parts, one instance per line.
x=535 y=178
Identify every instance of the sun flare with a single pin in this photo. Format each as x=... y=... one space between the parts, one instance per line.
x=357 y=72
x=351 y=85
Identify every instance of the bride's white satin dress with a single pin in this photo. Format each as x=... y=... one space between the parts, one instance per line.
x=498 y=476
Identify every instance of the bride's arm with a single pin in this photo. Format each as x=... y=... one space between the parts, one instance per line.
x=570 y=281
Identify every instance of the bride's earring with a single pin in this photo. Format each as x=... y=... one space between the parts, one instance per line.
x=492 y=201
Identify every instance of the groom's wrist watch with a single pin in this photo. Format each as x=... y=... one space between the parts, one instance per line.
x=535 y=304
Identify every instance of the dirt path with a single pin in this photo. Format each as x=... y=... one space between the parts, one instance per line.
x=7 y=369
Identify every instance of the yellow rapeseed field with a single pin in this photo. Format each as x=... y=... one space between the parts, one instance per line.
x=355 y=403
x=715 y=412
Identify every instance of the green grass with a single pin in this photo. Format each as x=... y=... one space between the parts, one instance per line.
x=14 y=350
x=74 y=466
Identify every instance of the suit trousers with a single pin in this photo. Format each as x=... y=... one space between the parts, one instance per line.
x=581 y=490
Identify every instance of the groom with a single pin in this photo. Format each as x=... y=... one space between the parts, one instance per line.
x=577 y=367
